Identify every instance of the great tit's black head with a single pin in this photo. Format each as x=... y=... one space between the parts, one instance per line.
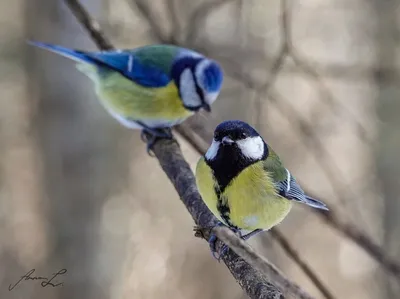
x=235 y=140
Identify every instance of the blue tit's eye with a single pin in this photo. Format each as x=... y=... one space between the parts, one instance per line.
x=242 y=135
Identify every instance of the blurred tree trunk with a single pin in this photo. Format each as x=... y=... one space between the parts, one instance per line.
x=388 y=145
x=23 y=239
x=84 y=159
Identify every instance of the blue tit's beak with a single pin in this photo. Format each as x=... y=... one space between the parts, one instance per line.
x=227 y=141
x=206 y=107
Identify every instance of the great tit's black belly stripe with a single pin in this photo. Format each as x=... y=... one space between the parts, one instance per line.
x=223 y=208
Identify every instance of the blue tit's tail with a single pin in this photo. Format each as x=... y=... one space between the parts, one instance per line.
x=315 y=203
x=76 y=55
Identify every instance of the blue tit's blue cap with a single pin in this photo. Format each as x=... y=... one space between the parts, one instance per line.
x=213 y=77
x=236 y=129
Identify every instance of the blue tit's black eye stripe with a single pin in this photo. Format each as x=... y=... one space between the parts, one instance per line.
x=199 y=91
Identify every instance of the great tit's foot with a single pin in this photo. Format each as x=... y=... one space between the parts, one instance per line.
x=150 y=136
x=251 y=234
x=212 y=241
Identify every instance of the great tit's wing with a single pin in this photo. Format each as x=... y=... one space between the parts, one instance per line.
x=290 y=189
x=147 y=66
x=286 y=184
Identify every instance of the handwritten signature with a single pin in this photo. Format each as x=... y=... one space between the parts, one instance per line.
x=44 y=280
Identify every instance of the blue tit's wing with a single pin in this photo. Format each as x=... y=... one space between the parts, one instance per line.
x=286 y=184
x=147 y=66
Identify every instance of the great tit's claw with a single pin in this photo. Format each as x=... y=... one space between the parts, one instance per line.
x=251 y=234
x=212 y=243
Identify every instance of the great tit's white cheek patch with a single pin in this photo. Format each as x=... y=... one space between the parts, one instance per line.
x=252 y=147
x=187 y=88
x=212 y=150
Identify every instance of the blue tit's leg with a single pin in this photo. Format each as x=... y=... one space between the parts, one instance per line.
x=253 y=233
x=150 y=135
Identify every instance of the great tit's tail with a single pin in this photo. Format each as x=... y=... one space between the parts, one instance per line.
x=315 y=203
x=76 y=55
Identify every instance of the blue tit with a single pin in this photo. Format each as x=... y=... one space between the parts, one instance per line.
x=244 y=183
x=151 y=88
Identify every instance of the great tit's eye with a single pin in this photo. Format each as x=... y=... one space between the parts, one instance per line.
x=242 y=135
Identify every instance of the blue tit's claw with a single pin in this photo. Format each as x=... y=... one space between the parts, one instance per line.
x=150 y=136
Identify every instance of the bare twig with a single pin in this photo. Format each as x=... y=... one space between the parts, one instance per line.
x=262 y=91
x=90 y=24
x=178 y=170
x=144 y=8
x=197 y=19
x=260 y=263
x=293 y=254
x=362 y=240
x=173 y=15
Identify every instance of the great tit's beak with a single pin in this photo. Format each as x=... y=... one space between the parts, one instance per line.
x=206 y=107
x=227 y=141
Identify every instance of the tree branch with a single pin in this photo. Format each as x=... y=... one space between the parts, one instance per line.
x=283 y=242
x=178 y=171
x=155 y=27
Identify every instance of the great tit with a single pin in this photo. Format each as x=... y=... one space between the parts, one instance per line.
x=244 y=183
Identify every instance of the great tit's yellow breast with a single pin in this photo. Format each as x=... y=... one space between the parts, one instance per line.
x=206 y=185
x=126 y=98
x=253 y=201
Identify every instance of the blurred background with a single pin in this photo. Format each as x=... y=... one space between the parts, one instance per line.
x=318 y=79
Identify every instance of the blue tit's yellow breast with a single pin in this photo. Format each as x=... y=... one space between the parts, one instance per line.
x=253 y=201
x=126 y=98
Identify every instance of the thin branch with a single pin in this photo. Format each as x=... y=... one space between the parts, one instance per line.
x=259 y=262
x=293 y=254
x=147 y=13
x=89 y=24
x=173 y=16
x=308 y=70
x=196 y=21
x=178 y=171
x=361 y=239
x=278 y=63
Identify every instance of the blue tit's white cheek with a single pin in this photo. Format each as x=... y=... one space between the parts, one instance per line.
x=251 y=147
x=212 y=150
x=210 y=97
x=187 y=88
